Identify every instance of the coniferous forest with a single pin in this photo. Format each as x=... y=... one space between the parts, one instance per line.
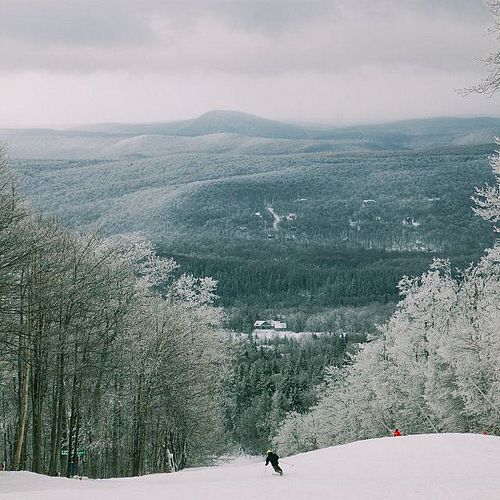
x=351 y=224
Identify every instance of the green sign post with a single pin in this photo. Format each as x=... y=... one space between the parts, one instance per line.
x=80 y=453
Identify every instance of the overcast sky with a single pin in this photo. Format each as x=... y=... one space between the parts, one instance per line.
x=66 y=62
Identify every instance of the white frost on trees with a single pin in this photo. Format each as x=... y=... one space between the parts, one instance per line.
x=487 y=199
x=103 y=351
x=434 y=367
x=491 y=83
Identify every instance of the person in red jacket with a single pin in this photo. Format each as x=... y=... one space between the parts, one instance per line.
x=397 y=433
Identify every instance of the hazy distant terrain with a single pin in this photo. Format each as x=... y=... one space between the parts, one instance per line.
x=280 y=214
x=240 y=133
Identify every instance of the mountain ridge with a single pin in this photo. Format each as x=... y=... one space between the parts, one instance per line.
x=418 y=133
x=223 y=131
x=238 y=122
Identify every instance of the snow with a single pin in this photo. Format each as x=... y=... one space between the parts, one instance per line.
x=277 y=218
x=272 y=334
x=437 y=467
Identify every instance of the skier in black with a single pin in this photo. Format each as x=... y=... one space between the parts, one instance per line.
x=273 y=459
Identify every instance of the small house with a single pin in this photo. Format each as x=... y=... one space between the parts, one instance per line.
x=270 y=325
x=263 y=325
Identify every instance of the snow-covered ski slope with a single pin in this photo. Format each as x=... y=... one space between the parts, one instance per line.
x=433 y=467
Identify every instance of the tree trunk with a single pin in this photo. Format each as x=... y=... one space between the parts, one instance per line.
x=58 y=418
x=37 y=394
x=23 y=416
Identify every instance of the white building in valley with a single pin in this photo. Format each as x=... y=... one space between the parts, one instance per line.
x=269 y=324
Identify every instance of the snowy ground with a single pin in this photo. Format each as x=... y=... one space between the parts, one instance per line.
x=261 y=334
x=433 y=467
x=276 y=217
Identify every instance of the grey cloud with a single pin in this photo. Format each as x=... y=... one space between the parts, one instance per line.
x=91 y=22
x=238 y=36
x=272 y=17
x=74 y=23
x=75 y=61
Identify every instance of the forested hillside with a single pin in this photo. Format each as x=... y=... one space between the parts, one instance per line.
x=99 y=371
x=434 y=366
x=273 y=379
x=278 y=227
x=115 y=364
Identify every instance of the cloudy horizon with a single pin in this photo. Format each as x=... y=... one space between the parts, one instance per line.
x=321 y=61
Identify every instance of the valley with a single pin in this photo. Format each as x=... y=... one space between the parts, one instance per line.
x=285 y=222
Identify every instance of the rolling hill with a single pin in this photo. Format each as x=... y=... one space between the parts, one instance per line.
x=212 y=122
x=241 y=133
x=352 y=213
x=401 y=133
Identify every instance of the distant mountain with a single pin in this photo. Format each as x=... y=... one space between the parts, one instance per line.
x=241 y=133
x=407 y=134
x=421 y=133
x=213 y=122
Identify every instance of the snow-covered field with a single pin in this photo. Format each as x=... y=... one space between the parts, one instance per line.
x=433 y=467
x=262 y=334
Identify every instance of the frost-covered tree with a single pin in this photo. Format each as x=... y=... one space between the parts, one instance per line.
x=491 y=84
x=104 y=353
x=487 y=199
x=434 y=367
